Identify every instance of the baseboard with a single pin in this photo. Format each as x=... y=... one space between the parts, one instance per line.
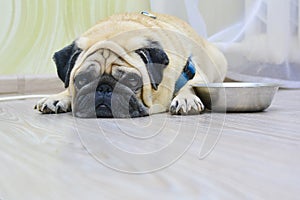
x=30 y=84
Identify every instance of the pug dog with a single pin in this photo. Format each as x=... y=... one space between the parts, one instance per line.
x=134 y=65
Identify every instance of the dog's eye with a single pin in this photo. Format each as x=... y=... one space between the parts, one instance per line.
x=133 y=81
x=81 y=80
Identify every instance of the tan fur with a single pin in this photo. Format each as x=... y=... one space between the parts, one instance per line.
x=124 y=33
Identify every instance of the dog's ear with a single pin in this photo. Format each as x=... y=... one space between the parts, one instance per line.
x=65 y=60
x=156 y=60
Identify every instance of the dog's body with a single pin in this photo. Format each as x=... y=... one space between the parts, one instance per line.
x=133 y=65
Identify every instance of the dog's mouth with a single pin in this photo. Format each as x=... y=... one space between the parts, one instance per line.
x=132 y=110
x=107 y=98
x=103 y=110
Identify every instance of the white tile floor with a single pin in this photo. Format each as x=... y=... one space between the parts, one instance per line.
x=251 y=155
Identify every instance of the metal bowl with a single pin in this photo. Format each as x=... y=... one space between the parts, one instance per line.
x=236 y=97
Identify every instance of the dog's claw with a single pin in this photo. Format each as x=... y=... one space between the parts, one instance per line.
x=57 y=110
x=173 y=107
x=186 y=105
x=54 y=104
x=43 y=109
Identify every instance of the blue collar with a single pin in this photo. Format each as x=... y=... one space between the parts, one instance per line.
x=187 y=74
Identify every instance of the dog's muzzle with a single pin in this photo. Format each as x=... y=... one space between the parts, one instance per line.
x=108 y=99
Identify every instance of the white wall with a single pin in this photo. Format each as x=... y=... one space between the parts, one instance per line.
x=171 y=7
x=218 y=14
x=32 y=30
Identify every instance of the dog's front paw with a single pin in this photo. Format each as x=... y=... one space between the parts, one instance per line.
x=54 y=104
x=186 y=105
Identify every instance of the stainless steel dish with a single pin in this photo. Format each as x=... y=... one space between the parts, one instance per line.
x=236 y=97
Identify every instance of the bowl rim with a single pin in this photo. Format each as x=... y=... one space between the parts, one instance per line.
x=234 y=85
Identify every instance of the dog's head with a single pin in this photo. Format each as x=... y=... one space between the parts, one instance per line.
x=107 y=80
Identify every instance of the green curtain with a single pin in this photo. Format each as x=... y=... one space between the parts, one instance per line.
x=31 y=30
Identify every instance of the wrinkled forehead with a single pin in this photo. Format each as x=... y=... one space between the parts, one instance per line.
x=98 y=61
x=104 y=56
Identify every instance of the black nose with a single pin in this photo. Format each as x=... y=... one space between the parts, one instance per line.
x=103 y=100
x=103 y=95
x=104 y=90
